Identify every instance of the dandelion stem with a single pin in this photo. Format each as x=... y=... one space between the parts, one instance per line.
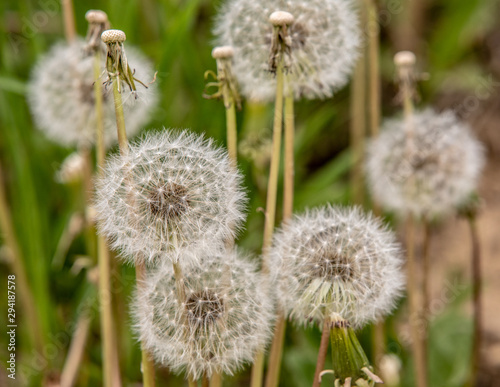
x=216 y=380
x=110 y=354
x=205 y=381
x=148 y=371
x=76 y=349
x=476 y=290
x=272 y=191
x=192 y=382
x=413 y=298
x=273 y=374
x=69 y=20
x=374 y=101
x=232 y=135
x=357 y=130
x=323 y=351
x=426 y=296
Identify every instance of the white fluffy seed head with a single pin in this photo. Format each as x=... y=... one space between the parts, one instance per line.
x=72 y=169
x=336 y=263
x=428 y=172
x=113 y=36
x=224 y=319
x=281 y=18
x=325 y=40
x=172 y=189
x=62 y=100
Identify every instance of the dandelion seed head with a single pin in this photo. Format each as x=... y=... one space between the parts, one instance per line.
x=62 y=100
x=172 y=189
x=336 y=263
x=405 y=58
x=325 y=40
x=281 y=18
x=225 y=317
x=96 y=16
x=113 y=36
x=428 y=172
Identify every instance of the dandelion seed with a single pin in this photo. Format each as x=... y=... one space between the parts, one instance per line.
x=172 y=189
x=433 y=176
x=337 y=264
x=323 y=38
x=221 y=323
x=61 y=96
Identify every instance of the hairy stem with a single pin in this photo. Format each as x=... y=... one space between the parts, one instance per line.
x=476 y=291
x=323 y=351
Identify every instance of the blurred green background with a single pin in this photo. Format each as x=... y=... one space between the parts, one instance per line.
x=450 y=39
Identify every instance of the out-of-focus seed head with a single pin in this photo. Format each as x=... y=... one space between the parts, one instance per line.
x=224 y=319
x=222 y=52
x=96 y=16
x=323 y=38
x=62 y=100
x=281 y=18
x=338 y=264
x=434 y=175
x=72 y=169
x=172 y=189
x=405 y=58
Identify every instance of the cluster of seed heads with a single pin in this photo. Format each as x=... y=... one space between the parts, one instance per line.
x=428 y=170
x=61 y=96
x=223 y=318
x=338 y=264
x=172 y=189
x=322 y=39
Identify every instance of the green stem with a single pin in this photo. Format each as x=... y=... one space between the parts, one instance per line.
x=288 y=186
x=148 y=371
x=192 y=382
x=17 y=263
x=272 y=192
x=232 y=133
x=110 y=354
x=426 y=295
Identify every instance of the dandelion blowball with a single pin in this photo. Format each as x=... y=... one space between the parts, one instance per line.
x=337 y=263
x=325 y=40
x=428 y=174
x=62 y=101
x=172 y=189
x=224 y=319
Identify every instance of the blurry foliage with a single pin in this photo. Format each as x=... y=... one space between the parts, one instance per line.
x=176 y=35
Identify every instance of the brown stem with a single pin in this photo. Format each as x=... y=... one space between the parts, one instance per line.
x=426 y=286
x=216 y=380
x=378 y=343
x=75 y=353
x=357 y=130
x=273 y=374
x=205 y=381
x=323 y=351
x=476 y=291
x=69 y=20
x=414 y=302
